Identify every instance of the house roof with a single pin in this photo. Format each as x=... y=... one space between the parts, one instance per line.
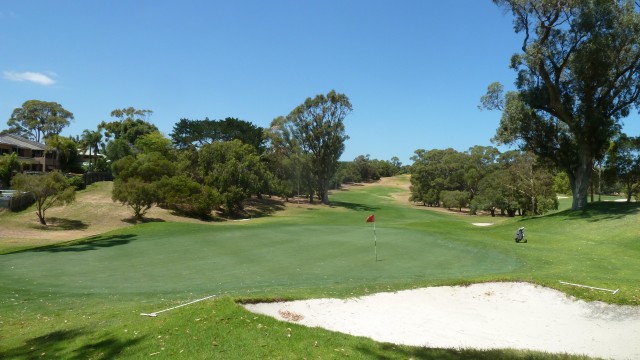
x=21 y=142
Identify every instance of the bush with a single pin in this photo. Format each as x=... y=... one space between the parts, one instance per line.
x=181 y=194
x=77 y=181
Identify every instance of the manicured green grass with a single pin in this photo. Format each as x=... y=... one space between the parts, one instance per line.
x=83 y=299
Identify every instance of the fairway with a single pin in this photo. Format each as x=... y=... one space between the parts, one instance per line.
x=83 y=299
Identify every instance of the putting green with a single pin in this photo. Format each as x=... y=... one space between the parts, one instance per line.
x=176 y=257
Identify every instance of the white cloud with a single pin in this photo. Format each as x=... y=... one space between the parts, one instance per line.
x=33 y=77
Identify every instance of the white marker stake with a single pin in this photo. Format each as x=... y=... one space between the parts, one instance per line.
x=154 y=314
x=591 y=287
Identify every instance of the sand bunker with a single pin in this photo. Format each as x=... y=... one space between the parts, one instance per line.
x=482 y=224
x=484 y=316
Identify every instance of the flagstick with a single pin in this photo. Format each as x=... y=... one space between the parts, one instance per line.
x=375 y=241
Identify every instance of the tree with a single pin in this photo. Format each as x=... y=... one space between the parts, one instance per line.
x=131 y=123
x=287 y=162
x=624 y=163
x=48 y=190
x=91 y=140
x=317 y=128
x=184 y=195
x=235 y=170
x=68 y=156
x=136 y=194
x=200 y=132
x=480 y=161
x=36 y=120
x=578 y=75
x=455 y=199
x=9 y=166
x=434 y=171
x=154 y=142
x=136 y=178
x=122 y=133
x=527 y=183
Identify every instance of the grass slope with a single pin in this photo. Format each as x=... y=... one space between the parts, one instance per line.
x=83 y=299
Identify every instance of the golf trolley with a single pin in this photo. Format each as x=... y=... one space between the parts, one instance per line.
x=520 y=235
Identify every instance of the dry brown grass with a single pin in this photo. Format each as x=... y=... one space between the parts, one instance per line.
x=92 y=213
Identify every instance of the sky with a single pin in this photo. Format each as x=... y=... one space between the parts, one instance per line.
x=414 y=70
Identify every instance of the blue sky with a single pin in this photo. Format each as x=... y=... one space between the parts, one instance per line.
x=414 y=70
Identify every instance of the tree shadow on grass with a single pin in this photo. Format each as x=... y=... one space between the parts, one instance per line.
x=263 y=207
x=90 y=243
x=601 y=212
x=55 y=345
x=134 y=220
x=353 y=206
x=54 y=223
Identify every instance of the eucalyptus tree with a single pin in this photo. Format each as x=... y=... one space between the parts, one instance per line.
x=121 y=134
x=317 y=130
x=36 y=120
x=578 y=75
x=286 y=161
x=435 y=171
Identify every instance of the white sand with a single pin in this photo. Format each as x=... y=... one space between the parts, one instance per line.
x=488 y=315
x=482 y=224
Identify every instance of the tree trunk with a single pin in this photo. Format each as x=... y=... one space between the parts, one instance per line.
x=580 y=181
x=41 y=218
x=325 y=197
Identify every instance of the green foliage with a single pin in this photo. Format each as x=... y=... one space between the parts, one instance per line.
x=316 y=130
x=117 y=149
x=454 y=199
x=483 y=179
x=121 y=134
x=49 y=189
x=37 y=120
x=136 y=194
x=154 y=142
x=131 y=124
x=77 y=182
x=196 y=133
x=136 y=177
x=286 y=161
x=434 y=171
x=561 y=184
x=90 y=140
x=235 y=170
x=182 y=194
x=68 y=154
x=9 y=166
x=146 y=167
x=578 y=75
x=623 y=162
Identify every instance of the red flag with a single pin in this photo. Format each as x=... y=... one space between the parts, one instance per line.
x=371 y=218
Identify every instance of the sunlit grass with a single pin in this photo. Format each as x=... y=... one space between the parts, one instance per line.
x=83 y=299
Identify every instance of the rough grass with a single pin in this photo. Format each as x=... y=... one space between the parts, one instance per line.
x=82 y=299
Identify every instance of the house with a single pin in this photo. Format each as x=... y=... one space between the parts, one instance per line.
x=32 y=154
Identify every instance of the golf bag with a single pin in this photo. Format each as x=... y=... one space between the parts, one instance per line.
x=520 y=235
